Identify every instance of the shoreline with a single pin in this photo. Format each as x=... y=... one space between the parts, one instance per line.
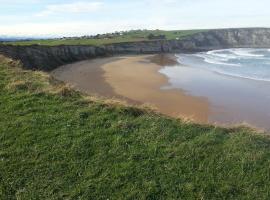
x=140 y=81
x=117 y=77
x=87 y=79
x=233 y=101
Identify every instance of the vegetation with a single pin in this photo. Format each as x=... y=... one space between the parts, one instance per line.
x=57 y=144
x=110 y=38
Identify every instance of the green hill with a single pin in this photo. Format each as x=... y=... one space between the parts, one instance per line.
x=58 y=144
x=111 y=38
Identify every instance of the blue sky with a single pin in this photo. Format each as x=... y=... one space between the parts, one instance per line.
x=70 y=17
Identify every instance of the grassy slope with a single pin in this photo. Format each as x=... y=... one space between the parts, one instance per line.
x=55 y=144
x=131 y=36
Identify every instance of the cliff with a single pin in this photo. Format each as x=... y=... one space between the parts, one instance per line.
x=229 y=38
x=49 y=57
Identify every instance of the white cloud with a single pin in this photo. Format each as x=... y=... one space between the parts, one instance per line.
x=75 y=7
x=78 y=28
x=162 y=1
x=9 y=2
x=124 y=15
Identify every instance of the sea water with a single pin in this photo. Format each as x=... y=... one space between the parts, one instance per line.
x=236 y=83
x=243 y=63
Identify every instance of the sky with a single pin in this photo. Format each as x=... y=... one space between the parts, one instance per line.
x=87 y=17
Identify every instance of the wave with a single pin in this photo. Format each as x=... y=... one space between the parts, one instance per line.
x=225 y=56
x=241 y=63
x=216 y=60
x=236 y=53
x=245 y=52
x=221 y=55
x=242 y=76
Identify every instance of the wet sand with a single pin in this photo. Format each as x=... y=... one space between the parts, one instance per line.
x=233 y=101
x=135 y=79
x=86 y=76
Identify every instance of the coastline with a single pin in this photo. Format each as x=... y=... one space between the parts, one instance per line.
x=234 y=101
x=118 y=78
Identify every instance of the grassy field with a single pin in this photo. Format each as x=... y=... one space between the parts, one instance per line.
x=131 y=36
x=57 y=144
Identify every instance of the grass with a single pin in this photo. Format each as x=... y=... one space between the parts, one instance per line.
x=57 y=144
x=131 y=36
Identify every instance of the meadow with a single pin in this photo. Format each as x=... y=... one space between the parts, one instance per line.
x=56 y=143
x=110 y=38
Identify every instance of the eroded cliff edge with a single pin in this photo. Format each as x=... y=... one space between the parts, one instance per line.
x=50 y=57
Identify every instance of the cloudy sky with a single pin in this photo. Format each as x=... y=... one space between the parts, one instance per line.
x=75 y=17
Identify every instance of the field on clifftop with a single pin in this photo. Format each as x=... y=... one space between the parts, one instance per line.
x=111 y=38
x=57 y=144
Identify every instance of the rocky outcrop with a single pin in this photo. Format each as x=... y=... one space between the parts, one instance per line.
x=50 y=57
x=229 y=38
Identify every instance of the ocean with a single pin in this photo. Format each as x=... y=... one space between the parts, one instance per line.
x=236 y=83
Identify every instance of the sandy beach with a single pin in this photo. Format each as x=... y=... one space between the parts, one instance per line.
x=136 y=80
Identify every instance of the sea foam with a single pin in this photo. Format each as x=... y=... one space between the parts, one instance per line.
x=242 y=63
x=246 y=52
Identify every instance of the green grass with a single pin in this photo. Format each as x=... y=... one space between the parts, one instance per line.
x=131 y=36
x=56 y=144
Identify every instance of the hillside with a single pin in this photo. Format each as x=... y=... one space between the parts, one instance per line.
x=111 y=38
x=46 y=57
x=58 y=144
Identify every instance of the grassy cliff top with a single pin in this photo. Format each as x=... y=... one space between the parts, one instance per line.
x=111 y=38
x=57 y=144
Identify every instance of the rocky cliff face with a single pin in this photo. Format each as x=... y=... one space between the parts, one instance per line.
x=230 y=38
x=48 y=57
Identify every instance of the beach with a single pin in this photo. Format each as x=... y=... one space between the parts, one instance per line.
x=173 y=89
x=231 y=80
x=135 y=79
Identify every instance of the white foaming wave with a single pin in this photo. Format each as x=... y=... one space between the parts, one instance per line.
x=216 y=60
x=210 y=56
x=236 y=53
x=245 y=52
x=241 y=76
x=231 y=74
x=221 y=55
x=227 y=56
x=219 y=63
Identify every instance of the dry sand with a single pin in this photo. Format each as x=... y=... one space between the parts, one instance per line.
x=137 y=80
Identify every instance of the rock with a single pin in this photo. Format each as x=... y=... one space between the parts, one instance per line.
x=50 y=57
